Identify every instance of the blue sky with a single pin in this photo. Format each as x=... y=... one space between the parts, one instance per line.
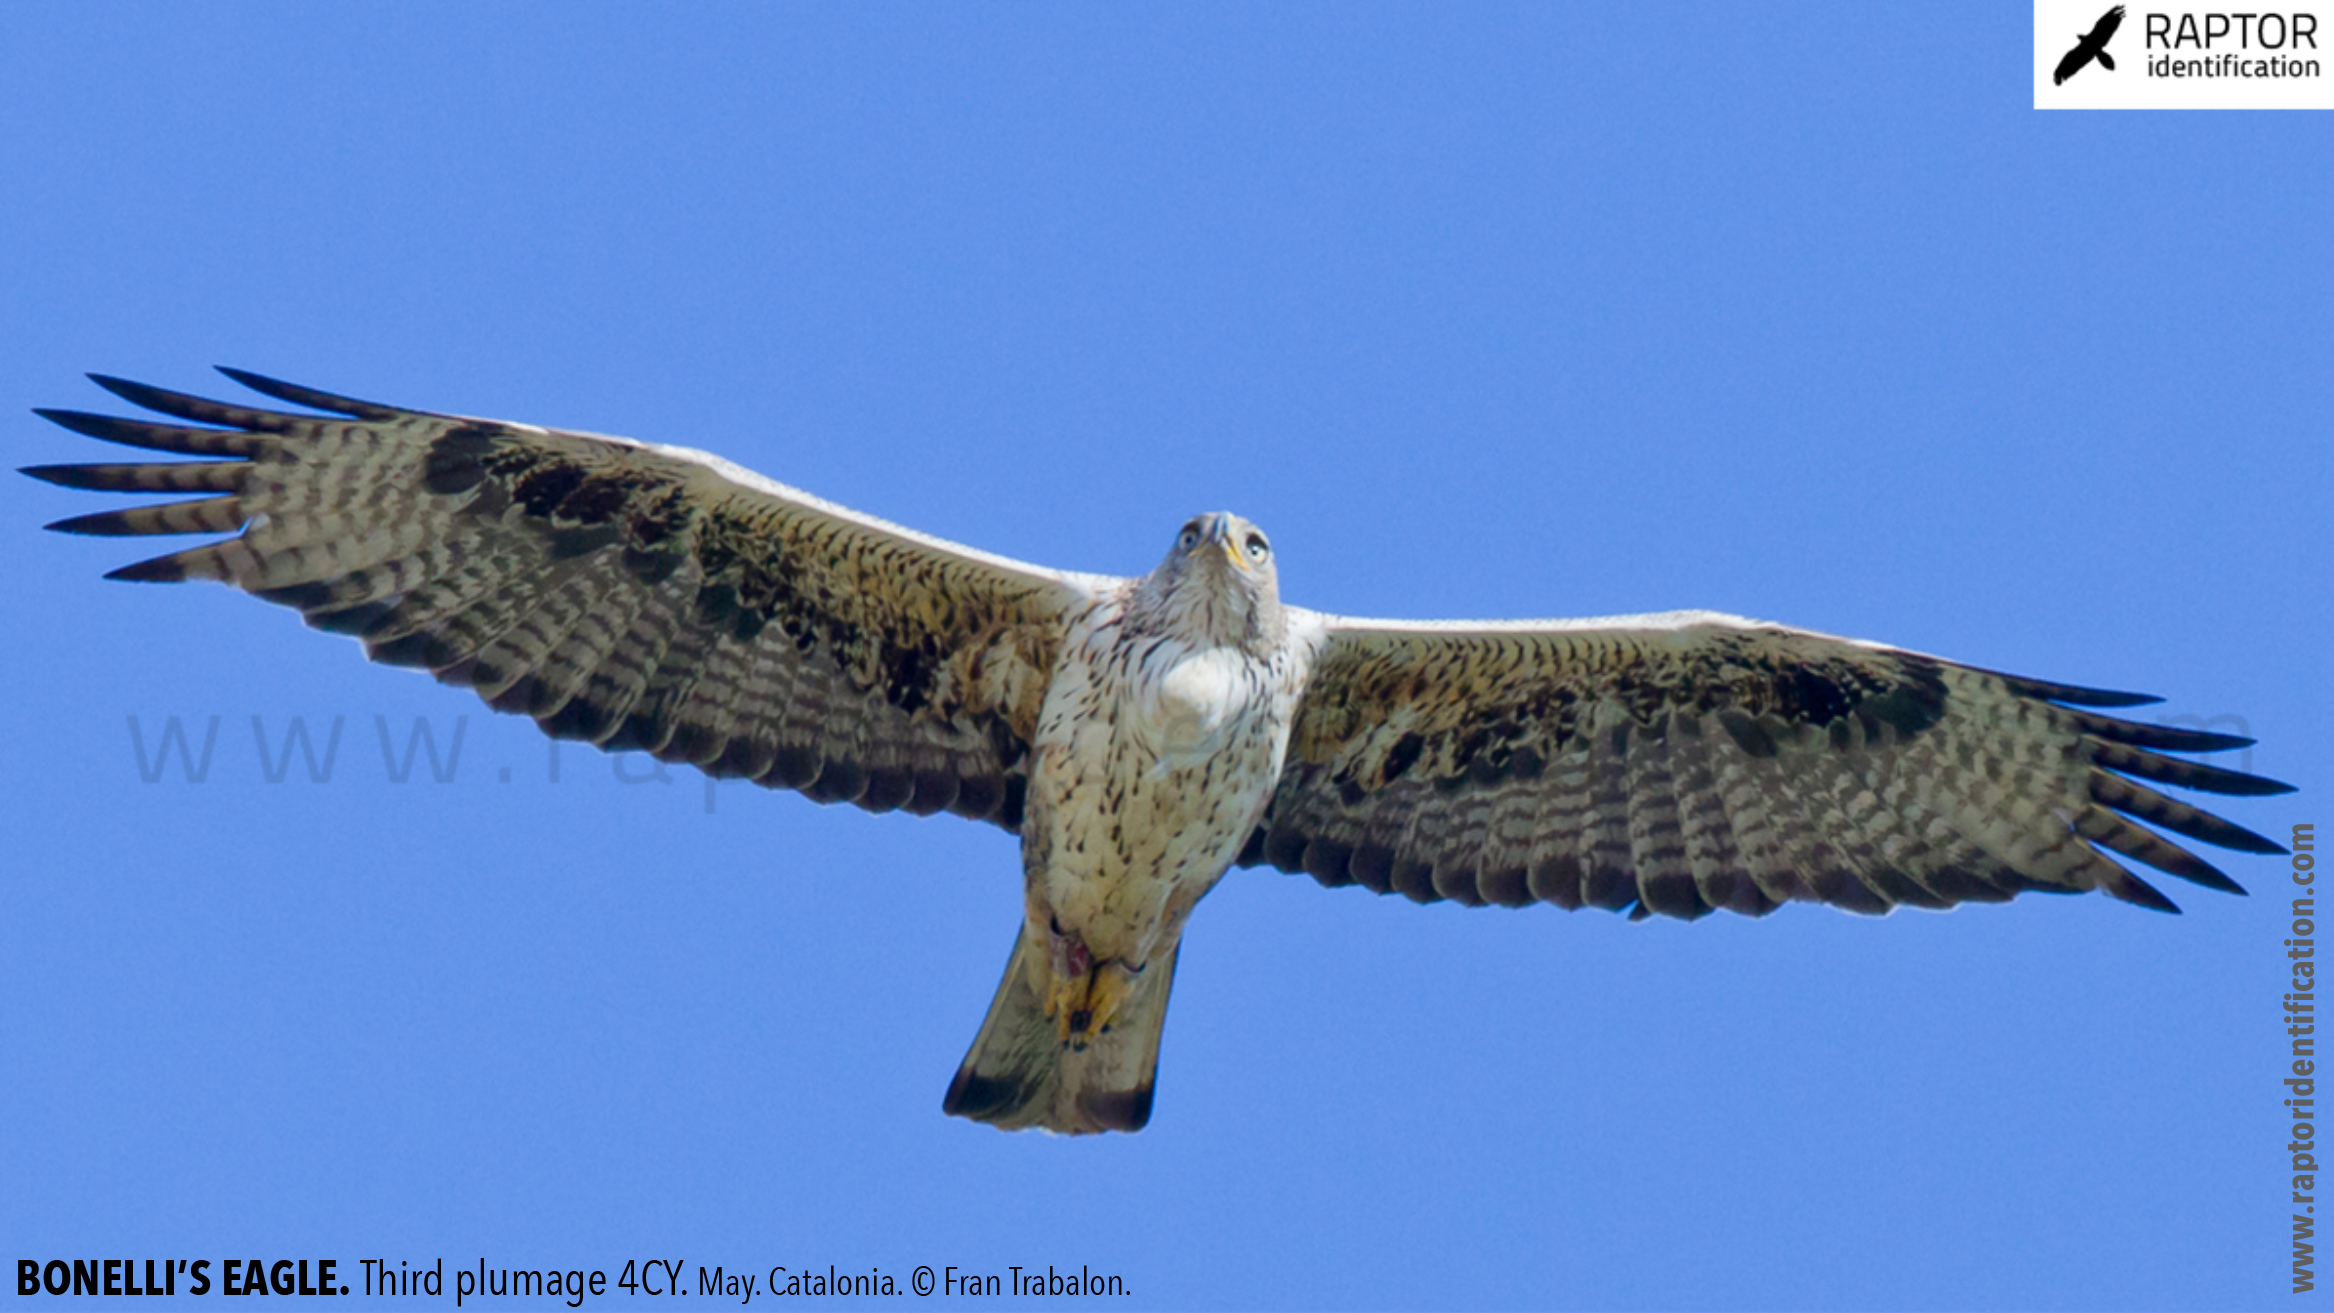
x=1506 y=311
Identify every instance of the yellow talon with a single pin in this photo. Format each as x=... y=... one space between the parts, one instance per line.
x=1082 y=1006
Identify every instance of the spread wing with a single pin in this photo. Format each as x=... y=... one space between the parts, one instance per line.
x=1684 y=762
x=631 y=595
x=2104 y=30
x=2072 y=62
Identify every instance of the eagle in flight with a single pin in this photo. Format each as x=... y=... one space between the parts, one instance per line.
x=2091 y=45
x=1141 y=736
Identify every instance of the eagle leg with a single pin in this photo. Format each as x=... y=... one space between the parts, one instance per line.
x=1084 y=994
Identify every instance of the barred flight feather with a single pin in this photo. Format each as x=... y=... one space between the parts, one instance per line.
x=630 y=595
x=1685 y=763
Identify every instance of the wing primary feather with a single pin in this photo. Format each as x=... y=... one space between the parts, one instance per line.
x=193 y=563
x=2111 y=831
x=2162 y=737
x=309 y=397
x=152 y=436
x=2131 y=889
x=211 y=515
x=200 y=409
x=2186 y=774
x=185 y=476
x=2178 y=817
x=2072 y=694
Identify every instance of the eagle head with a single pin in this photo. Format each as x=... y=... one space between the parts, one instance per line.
x=1217 y=586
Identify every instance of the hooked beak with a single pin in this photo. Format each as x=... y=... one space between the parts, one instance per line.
x=1215 y=531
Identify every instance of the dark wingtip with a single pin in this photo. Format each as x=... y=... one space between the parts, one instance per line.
x=160 y=570
x=2139 y=893
x=2073 y=695
x=274 y=387
x=307 y=396
x=101 y=524
x=61 y=475
x=2245 y=841
x=2167 y=738
x=81 y=421
x=120 y=387
x=2244 y=786
x=2077 y=696
x=2212 y=878
x=162 y=400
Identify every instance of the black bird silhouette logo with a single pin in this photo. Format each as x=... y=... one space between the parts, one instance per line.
x=2092 y=46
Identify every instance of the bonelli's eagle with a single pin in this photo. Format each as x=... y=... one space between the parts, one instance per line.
x=1143 y=735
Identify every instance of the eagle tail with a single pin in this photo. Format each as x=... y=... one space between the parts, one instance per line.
x=2106 y=61
x=1020 y=1073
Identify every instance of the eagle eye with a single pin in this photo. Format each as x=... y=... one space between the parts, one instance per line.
x=1257 y=550
x=1188 y=539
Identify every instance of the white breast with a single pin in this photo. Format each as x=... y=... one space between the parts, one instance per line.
x=1188 y=702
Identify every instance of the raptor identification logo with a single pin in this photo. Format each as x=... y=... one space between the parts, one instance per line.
x=2093 y=55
